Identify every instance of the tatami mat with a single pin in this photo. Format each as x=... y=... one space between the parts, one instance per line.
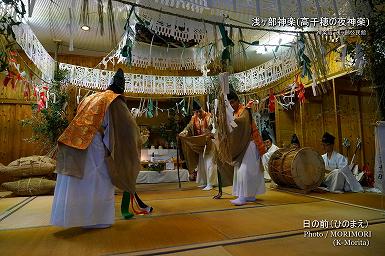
x=367 y=199
x=276 y=197
x=6 y=203
x=189 y=205
x=37 y=212
x=169 y=231
x=187 y=218
x=124 y=236
x=211 y=251
x=34 y=214
x=301 y=246
x=264 y=220
x=175 y=193
x=296 y=245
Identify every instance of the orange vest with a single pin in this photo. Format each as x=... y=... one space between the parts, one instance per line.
x=255 y=135
x=88 y=120
x=200 y=126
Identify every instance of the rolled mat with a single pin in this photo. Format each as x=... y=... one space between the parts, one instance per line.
x=29 y=166
x=31 y=187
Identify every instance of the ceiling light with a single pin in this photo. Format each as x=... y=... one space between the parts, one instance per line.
x=85 y=27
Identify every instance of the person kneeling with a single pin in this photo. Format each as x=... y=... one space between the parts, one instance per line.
x=340 y=178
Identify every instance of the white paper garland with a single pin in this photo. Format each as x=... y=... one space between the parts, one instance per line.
x=257 y=77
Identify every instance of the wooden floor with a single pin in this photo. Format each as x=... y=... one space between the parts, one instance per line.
x=188 y=222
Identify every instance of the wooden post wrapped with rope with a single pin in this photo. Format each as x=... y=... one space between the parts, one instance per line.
x=222 y=141
x=222 y=156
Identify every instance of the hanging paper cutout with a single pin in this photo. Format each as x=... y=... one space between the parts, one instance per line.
x=127 y=49
x=156 y=108
x=303 y=59
x=226 y=40
x=183 y=110
x=150 y=109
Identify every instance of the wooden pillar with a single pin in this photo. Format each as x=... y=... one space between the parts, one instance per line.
x=278 y=124
x=361 y=131
x=322 y=117
x=337 y=117
x=301 y=113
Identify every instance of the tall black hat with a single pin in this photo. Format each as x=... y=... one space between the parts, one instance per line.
x=232 y=95
x=327 y=138
x=266 y=135
x=196 y=105
x=294 y=139
x=118 y=82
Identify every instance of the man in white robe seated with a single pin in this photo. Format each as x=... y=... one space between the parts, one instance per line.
x=270 y=149
x=339 y=177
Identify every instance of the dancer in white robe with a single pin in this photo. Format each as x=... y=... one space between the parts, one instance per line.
x=339 y=177
x=89 y=201
x=207 y=170
x=100 y=149
x=248 y=178
x=201 y=125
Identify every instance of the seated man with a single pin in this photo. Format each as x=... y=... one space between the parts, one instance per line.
x=200 y=126
x=270 y=149
x=294 y=143
x=339 y=176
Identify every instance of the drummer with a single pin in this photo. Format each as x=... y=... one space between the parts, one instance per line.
x=270 y=149
x=339 y=177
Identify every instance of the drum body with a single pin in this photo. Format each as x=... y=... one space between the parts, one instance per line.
x=302 y=168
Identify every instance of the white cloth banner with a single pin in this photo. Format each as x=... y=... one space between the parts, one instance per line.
x=380 y=156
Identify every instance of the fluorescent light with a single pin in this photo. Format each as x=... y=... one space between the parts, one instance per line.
x=85 y=27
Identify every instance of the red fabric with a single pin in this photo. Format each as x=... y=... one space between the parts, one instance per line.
x=200 y=128
x=250 y=104
x=257 y=138
x=300 y=89
x=42 y=101
x=27 y=90
x=369 y=175
x=137 y=212
x=255 y=135
x=271 y=102
x=10 y=77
